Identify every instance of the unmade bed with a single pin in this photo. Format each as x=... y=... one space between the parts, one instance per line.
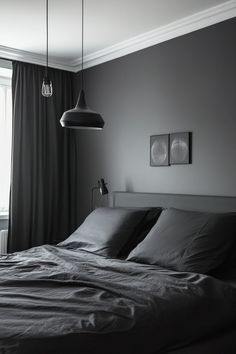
x=106 y=289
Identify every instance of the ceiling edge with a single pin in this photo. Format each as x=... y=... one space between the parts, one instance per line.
x=33 y=58
x=175 y=29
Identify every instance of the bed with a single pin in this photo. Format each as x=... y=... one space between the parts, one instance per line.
x=73 y=299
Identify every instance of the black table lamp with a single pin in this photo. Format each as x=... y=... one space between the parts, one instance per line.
x=101 y=186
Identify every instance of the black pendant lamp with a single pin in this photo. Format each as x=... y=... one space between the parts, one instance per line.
x=82 y=117
x=47 y=89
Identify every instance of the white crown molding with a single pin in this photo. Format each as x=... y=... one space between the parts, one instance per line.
x=28 y=57
x=175 y=29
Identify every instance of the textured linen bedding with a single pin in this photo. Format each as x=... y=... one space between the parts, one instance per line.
x=105 y=305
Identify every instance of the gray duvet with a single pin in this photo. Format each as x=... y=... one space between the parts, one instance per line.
x=50 y=291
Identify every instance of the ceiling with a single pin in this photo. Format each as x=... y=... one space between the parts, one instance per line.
x=108 y=24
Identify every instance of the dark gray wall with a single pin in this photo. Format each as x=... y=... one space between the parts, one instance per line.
x=186 y=84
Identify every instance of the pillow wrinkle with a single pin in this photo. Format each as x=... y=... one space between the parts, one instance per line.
x=191 y=241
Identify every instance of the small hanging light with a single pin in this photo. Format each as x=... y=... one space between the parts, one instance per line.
x=81 y=117
x=47 y=89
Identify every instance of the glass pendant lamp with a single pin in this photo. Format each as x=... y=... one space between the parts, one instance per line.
x=82 y=117
x=47 y=89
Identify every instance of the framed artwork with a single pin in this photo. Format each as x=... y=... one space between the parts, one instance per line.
x=180 y=148
x=159 y=150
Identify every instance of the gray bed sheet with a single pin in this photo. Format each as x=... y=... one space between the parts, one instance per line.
x=52 y=292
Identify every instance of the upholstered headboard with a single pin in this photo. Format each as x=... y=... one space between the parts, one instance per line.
x=181 y=201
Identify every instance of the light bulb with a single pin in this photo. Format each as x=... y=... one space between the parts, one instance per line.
x=47 y=90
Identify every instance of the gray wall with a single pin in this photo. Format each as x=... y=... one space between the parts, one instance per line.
x=186 y=84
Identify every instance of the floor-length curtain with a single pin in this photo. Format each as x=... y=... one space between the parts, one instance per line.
x=43 y=201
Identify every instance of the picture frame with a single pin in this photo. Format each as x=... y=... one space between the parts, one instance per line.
x=159 y=150
x=180 y=148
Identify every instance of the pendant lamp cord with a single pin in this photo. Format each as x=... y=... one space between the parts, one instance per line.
x=46 y=69
x=82 y=32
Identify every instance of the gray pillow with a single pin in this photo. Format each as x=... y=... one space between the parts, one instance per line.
x=188 y=241
x=106 y=230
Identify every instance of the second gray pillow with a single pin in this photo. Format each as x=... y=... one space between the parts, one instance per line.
x=188 y=241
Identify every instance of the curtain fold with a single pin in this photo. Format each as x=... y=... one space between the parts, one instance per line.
x=43 y=201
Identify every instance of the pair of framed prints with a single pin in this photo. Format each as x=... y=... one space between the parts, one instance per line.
x=170 y=149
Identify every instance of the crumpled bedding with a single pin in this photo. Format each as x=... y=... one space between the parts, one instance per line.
x=51 y=291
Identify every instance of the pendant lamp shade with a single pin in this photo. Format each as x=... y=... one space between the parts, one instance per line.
x=82 y=117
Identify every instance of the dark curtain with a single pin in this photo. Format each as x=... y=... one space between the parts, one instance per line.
x=43 y=201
